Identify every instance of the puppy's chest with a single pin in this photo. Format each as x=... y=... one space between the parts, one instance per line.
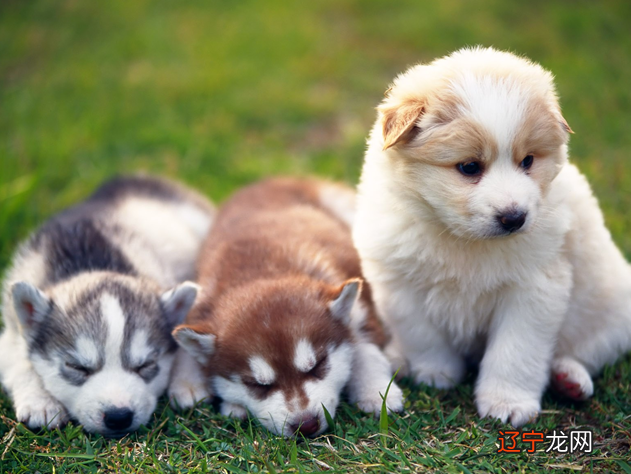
x=459 y=296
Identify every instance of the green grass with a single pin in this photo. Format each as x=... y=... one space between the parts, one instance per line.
x=220 y=93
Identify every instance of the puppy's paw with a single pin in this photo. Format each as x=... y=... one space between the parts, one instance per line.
x=40 y=411
x=508 y=406
x=440 y=371
x=233 y=410
x=185 y=394
x=570 y=378
x=370 y=399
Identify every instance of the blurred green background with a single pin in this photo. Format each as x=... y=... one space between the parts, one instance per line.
x=220 y=93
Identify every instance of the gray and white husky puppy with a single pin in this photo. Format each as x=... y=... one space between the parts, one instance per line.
x=90 y=301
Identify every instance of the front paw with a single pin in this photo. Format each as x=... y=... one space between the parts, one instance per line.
x=441 y=370
x=40 y=411
x=233 y=410
x=507 y=405
x=372 y=403
x=185 y=394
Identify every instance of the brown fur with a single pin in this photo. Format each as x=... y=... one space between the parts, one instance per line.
x=273 y=262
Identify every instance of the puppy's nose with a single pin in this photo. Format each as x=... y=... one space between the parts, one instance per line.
x=118 y=419
x=307 y=426
x=512 y=220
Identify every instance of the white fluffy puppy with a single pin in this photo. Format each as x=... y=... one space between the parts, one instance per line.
x=479 y=238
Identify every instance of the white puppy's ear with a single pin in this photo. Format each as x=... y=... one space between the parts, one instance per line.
x=31 y=304
x=565 y=126
x=200 y=345
x=344 y=300
x=178 y=301
x=399 y=120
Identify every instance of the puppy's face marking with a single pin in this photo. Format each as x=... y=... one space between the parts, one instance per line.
x=484 y=148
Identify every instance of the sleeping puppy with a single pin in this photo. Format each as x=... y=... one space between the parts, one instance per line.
x=480 y=239
x=90 y=300
x=283 y=323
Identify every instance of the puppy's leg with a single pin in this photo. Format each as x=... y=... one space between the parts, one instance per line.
x=370 y=378
x=515 y=369
x=597 y=329
x=431 y=359
x=233 y=410
x=571 y=378
x=188 y=384
x=34 y=406
x=417 y=347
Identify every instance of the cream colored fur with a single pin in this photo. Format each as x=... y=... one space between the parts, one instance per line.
x=552 y=298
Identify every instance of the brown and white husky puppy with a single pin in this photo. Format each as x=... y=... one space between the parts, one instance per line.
x=283 y=322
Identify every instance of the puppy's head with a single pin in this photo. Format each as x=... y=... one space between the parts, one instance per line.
x=101 y=345
x=474 y=140
x=281 y=349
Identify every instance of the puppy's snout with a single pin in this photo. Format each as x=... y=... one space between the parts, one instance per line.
x=512 y=220
x=308 y=426
x=118 y=419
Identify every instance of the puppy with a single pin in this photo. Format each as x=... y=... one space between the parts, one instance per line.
x=280 y=327
x=90 y=301
x=479 y=238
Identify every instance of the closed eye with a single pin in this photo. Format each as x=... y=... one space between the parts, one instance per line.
x=87 y=371
x=147 y=370
x=146 y=365
x=319 y=370
x=258 y=389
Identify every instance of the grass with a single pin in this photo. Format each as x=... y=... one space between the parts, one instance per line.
x=221 y=93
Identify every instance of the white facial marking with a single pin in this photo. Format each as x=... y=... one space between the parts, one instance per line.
x=115 y=319
x=262 y=371
x=498 y=105
x=304 y=356
x=86 y=351
x=139 y=350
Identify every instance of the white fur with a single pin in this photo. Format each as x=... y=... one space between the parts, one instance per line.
x=304 y=356
x=370 y=378
x=262 y=371
x=167 y=251
x=557 y=291
x=188 y=385
x=33 y=405
x=339 y=200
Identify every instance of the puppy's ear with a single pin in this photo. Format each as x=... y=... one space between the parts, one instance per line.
x=178 y=301
x=194 y=340
x=399 y=120
x=565 y=126
x=31 y=304
x=344 y=299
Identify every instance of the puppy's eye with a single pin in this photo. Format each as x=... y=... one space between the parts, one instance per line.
x=79 y=368
x=470 y=168
x=526 y=163
x=319 y=370
x=148 y=369
x=258 y=389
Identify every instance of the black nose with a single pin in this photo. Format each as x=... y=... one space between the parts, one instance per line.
x=512 y=221
x=307 y=427
x=118 y=419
